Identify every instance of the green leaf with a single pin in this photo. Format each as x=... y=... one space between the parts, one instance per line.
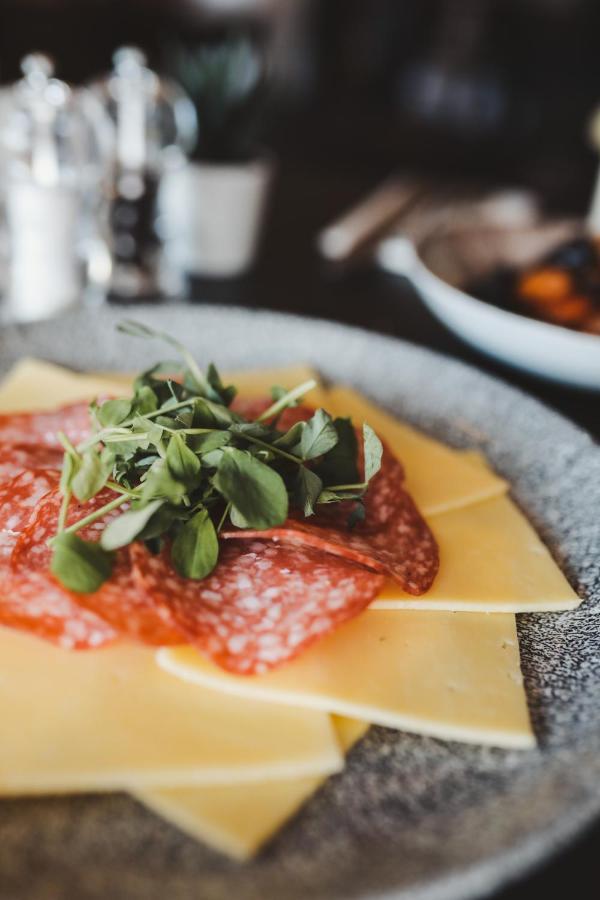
x=254 y=489
x=308 y=488
x=113 y=412
x=204 y=443
x=145 y=400
x=126 y=527
x=195 y=550
x=373 y=449
x=290 y=441
x=214 y=379
x=81 y=566
x=339 y=465
x=237 y=518
x=209 y=415
x=91 y=476
x=150 y=428
x=182 y=462
x=160 y=484
x=319 y=436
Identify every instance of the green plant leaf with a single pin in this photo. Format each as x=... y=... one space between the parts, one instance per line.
x=113 y=412
x=373 y=449
x=319 y=436
x=145 y=400
x=81 y=566
x=253 y=488
x=308 y=488
x=161 y=484
x=339 y=465
x=126 y=527
x=182 y=462
x=90 y=477
x=195 y=550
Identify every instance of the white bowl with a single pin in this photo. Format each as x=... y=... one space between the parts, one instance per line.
x=444 y=261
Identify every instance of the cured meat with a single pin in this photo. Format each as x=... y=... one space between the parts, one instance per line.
x=18 y=499
x=119 y=602
x=29 y=600
x=263 y=604
x=14 y=458
x=393 y=539
x=40 y=428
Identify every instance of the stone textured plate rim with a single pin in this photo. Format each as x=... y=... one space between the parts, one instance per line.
x=484 y=875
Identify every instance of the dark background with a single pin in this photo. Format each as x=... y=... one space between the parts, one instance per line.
x=350 y=103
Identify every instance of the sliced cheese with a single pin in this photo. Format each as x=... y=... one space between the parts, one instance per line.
x=32 y=384
x=238 y=819
x=438 y=477
x=491 y=560
x=451 y=675
x=111 y=719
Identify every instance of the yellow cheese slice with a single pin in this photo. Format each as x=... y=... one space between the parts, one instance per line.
x=491 y=560
x=111 y=719
x=32 y=384
x=438 y=477
x=238 y=819
x=451 y=675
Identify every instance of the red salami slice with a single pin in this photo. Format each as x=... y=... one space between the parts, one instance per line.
x=264 y=603
x=29 y=601
x=119 y=601
x=41 y=428
x=19 y=498
x=14 y=458
x=393 y=539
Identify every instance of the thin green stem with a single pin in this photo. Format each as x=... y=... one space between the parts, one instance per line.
x=277 y=450
x=97 y=514
x=347 y=487
x=288 y=398
x=226 y=512
x=64 y=509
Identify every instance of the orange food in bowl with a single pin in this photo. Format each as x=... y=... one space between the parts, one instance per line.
x=548 y=285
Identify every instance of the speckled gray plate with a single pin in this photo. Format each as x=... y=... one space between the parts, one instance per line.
x=410 y=817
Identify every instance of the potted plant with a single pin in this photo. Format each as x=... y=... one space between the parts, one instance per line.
x=212 y=207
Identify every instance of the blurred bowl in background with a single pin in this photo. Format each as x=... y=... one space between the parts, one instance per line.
x=442 y=263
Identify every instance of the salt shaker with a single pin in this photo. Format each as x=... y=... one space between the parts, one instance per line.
x=154 y=122
x=55 y=146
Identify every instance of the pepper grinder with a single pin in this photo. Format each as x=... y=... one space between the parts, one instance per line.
x=55 y=146
x=154 y=120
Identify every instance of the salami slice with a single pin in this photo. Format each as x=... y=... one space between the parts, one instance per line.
x=264 y=603
x=40 y=428
x=119 y=601
x=19 y=497
x=15 y=458
x=28 y=600
x=393 y=539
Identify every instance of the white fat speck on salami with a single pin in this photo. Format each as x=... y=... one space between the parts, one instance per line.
x=263 y=604
x=119 y=602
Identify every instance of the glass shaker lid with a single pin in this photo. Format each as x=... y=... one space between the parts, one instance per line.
x=51 y=134
x=153 y=116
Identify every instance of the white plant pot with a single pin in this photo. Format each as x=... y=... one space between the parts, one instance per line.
x=211 y=215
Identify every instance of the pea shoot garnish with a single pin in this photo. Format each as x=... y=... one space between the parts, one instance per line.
x=181 y=465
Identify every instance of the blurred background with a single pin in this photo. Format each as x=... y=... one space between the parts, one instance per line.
x=196 y=151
